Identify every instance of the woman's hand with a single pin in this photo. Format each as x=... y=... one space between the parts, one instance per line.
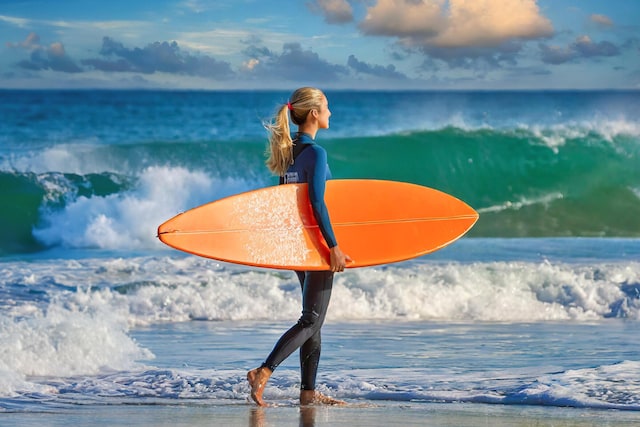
x=338 y=259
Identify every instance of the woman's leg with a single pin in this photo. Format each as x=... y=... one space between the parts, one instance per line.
x=309 y=360
x=316 y=293
x=309 y=353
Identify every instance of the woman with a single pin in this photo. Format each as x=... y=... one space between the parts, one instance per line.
x=301 y=160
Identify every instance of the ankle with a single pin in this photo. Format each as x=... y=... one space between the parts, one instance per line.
x=261 y=374
x=307 y=397
x=264 y=371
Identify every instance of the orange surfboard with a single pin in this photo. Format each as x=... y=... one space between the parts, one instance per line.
x=375 y=222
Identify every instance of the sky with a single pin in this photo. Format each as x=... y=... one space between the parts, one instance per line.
x=332 y=44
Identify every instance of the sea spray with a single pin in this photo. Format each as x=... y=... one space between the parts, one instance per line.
x=126 y=220
x=64 y=342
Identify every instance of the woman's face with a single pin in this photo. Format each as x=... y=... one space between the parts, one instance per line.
x=323 y=114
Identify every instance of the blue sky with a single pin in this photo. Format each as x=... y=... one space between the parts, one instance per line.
x=333 y=44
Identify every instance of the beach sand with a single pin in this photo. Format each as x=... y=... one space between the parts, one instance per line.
x=382 y=414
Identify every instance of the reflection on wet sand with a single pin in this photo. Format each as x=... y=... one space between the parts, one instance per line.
x=258 y=417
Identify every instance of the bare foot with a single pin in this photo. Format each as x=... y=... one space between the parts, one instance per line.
x=257 y=380
x=312 y=397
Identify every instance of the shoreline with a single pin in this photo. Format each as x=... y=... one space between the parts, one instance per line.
x=354 y=414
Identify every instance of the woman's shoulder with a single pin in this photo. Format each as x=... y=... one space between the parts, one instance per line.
x=317 y=149
x=316 y=153
x=310 y=150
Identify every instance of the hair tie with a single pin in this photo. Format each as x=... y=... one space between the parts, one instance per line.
x=289 y=106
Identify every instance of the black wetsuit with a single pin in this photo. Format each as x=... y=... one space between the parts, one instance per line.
x=310 y=166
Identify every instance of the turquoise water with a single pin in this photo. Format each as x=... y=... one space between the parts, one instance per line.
x=537 y=306
x=533 y=164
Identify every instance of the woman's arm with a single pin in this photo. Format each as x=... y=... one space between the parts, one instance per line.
x=317 y=177
x=317 y=184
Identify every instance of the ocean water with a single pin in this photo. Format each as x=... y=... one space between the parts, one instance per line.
x=538 y=305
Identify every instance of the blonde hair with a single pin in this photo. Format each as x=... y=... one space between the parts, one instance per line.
x=280 y=149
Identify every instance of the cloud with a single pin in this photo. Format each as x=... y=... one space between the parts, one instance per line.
x=456 y=23
x=633 y=44
x=375 y=70
x=587 y=48
x=491 y=23
x=157 y=57
x=52 y=57
x=459 y=32
x=556 y=55
x=404 y=18
x=195 y=6
x=293 y=64
x=19 y=22
x=31 y=42
x=334 y=11
x=476 y=56
x=601 y=20
x=115 y=57
x=583 y=47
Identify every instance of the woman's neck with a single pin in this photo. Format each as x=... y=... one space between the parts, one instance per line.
x=309 y=128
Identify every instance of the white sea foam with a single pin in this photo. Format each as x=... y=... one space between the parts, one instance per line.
x=589 y=387
x=76 y=336
x=63 y=342
x=129 y=219
x=154 y=290
x=522 y=202
x=608 y=129
x=605 y=385
x=70 y=317
x=488 y=292
x=71 y=157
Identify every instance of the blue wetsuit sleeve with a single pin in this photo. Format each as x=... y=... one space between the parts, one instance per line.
x=317 y=176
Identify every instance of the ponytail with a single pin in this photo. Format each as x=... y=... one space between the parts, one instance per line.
x=280 y=143
x=280 y=152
